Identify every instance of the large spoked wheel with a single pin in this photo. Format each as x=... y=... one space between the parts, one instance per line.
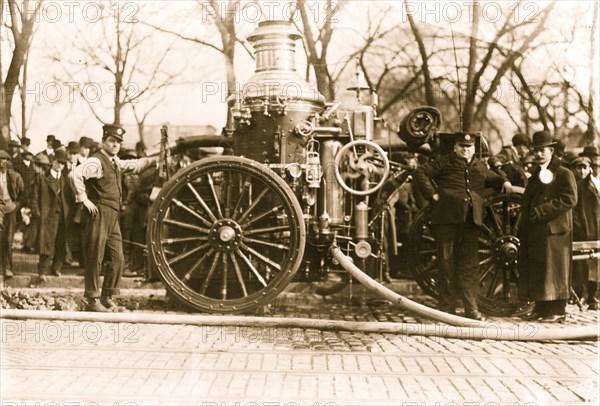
x=226 y=234
x=498 y=254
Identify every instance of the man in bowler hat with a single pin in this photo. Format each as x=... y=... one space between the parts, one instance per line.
x=97 y=184
x=546 y=233
x=454 y=185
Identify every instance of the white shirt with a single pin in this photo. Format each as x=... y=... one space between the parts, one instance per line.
x=92 y=169
x=55 y=174
x=596 y=182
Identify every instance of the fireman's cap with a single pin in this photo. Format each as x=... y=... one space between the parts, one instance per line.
x=113 y=130
x=464 y=139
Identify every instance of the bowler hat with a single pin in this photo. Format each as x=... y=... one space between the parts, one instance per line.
x=542 y=139
x=464 y=139
x=25 y=141
x=73 y=147
x=56 y=144
x=113 y=130
x=591 y=151
x=520 y=139
x=27 y=154
x=60 y=155
x=50 y=138
x=14 y=143
x=4 y=154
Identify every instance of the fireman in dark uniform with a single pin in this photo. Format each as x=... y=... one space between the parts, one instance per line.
x=454 y=184
x=97 y=184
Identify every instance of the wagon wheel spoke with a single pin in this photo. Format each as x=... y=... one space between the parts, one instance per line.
x=266 y=230
x=252 y=206
x=211 y=183
x=494 y=219
x=211 y=271
x=245 y=187
x=238 y=274
x=486 y=261
x=261 y=257
x=261 y=216
x=170 y=241
x=497 y=278
x=186 y=226
x=201 y=202
x=192 y=212
x=251 y=267
x=197 y=265
x=224 y=277
x=186 y=254
x=281 y=247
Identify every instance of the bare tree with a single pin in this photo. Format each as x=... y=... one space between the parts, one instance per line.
x=222 y=16
x=119 y=59
x=23 y=15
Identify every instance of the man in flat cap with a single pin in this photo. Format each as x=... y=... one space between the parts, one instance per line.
x=11 y=184
x=97 y=184
x=586 y=227
x=456 y=218
x=546 y=233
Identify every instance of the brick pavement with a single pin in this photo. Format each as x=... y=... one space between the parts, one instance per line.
x=112 y=363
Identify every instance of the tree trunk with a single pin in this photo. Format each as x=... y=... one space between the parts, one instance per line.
x=590 y=133
x=469 y=107
x=429 y=94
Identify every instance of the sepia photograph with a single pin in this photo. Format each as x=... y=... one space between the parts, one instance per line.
x=299 y=202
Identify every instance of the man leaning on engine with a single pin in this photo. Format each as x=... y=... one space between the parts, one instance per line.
x=97 y=184
x=454 y=185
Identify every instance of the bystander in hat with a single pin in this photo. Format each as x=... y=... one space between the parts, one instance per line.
x=543 y=139
x=128 y=154
x=50 y=138
x=113 y=130
x=73 y=147
x=86 y=142
x=590 y=151
x=61 y=156
x=42 y=160
x=520 y=139
x=56 y=144
x=4 y=154
x=581 y=160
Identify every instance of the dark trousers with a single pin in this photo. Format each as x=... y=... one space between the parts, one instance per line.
x=551 y=307
x=6 y=239
x=103 y=244
x=55 y=260
x=458 y=259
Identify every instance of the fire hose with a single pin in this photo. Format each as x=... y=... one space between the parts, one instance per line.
x=453 y=327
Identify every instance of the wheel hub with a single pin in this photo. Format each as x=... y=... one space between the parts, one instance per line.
x=225 y=235
x=507 y=250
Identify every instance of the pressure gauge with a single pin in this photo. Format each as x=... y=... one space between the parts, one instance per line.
x=294 y=170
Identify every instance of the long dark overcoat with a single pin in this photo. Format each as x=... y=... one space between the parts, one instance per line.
x=586 y=221
x=45 y=202
x=546 y=235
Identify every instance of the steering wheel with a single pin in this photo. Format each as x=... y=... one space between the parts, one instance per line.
x=361 y=167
